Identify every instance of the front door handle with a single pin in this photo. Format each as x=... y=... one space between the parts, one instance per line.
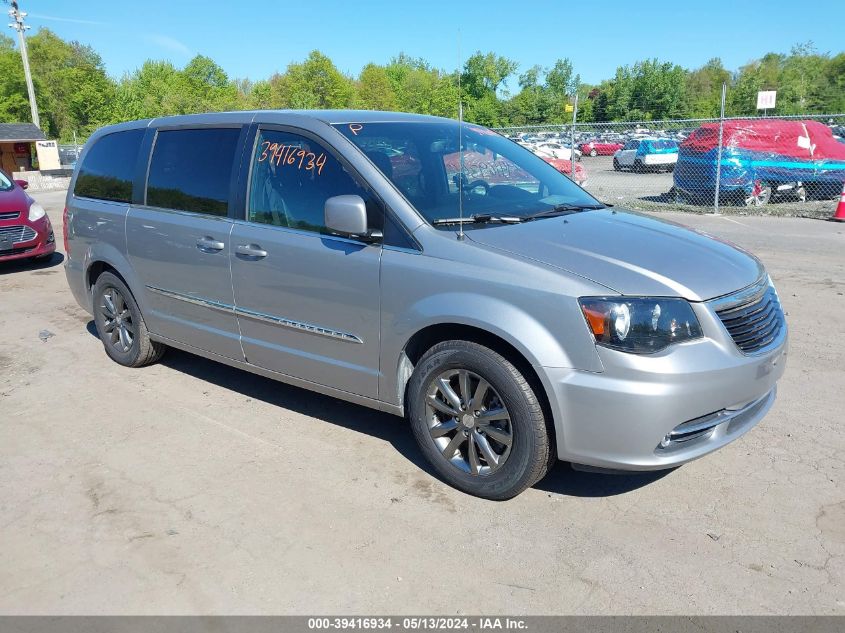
x=251 y=250
x=209 y=244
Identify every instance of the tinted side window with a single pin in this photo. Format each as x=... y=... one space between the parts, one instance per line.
x=190 y=170
x=109 y=167
x=293 y=176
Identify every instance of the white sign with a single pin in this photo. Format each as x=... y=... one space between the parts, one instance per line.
x=48 y=155
x=766 y=99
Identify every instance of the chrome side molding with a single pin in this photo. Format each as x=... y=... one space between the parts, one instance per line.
x=300 y=326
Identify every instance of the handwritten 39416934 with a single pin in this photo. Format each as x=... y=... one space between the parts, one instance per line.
x=292 y=155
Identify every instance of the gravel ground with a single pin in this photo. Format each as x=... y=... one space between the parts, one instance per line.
x=189 y=487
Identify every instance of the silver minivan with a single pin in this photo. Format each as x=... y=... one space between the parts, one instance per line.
x=427 y=268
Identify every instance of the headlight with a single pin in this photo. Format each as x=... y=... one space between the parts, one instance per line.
x=640 y=325
x=36 y=212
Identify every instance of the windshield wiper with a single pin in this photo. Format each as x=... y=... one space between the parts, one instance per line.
x=480 y=218
x=563 y=209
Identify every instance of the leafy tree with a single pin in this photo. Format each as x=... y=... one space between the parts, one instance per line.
x=704 y=89
x=72 y=88
x=483 y=74
x=314 y=83
x=75 y=94
x=375 y=90
x=14 y=104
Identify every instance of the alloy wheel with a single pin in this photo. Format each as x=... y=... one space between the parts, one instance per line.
x=468 y=422
x=117 y=320
x=759 y=196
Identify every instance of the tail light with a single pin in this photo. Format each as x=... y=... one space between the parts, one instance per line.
x=65 y=230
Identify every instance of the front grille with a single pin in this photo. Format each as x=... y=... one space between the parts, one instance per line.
x=9 y=215
x=753 y=317
x=19 y=233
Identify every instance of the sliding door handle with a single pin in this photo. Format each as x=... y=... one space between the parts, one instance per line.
x=251 y=250
x=209 y=244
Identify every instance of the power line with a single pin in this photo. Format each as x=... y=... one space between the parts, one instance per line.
x=17 y=15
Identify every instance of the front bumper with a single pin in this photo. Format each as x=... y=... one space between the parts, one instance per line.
x=707 y=392
x=44 y=243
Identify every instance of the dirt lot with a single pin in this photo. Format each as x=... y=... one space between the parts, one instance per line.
x=189 y=487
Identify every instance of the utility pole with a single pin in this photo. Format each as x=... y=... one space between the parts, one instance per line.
x=17 y=15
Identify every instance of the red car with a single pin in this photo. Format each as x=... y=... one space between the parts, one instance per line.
x=565 y=167
x=25 y=229
x=600 y=148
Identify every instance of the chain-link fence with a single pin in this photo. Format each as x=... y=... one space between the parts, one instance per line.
x=781 y=165
x=69 y=154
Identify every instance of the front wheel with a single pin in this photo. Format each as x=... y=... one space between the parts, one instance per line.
x=478 y=421
x=593 y=153
x=120 y=326
x=616 y=165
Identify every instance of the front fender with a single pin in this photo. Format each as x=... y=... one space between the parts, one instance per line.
x=514 y=325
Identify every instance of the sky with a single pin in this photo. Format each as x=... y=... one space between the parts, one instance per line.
x=255 y=38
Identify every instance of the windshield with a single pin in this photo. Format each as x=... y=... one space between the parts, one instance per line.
x=5 y=183
x=499 y=176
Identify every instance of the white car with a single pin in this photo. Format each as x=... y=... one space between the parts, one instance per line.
x=557 y=150
x=641 y=154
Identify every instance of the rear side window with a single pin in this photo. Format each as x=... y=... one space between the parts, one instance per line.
x=190 y=170
x=109 y=167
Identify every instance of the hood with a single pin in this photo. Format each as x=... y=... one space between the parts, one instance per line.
x=14 y=200
x=629 y=253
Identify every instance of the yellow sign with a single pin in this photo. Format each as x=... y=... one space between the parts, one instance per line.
x=569 y=107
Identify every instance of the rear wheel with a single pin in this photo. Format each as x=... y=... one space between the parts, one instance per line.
x=638 y=166
x=478 y=421
x=120 y=325
x=616 y=165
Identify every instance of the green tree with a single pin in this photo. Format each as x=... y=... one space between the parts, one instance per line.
x=704 y=89
x=74 y=93
x=313 y=83
x=375 y=90
x=14 y=104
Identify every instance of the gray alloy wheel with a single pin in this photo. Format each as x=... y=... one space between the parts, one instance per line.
x=478 y=421
x=120 y=324
x=593 y=153
x=117 y=320
x=468 y=422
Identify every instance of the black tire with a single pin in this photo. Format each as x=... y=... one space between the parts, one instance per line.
x=616 y=165
x=593 y=153
x=531 y=452
x=638 y=166
x=141 y=351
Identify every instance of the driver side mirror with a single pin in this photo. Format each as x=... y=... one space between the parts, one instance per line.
x=23 y=184
x=347 y=216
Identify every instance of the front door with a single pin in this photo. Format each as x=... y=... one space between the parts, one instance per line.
x=178 y=241
x=307 y=302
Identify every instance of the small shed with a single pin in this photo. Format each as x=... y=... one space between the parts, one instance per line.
x=16 y=141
